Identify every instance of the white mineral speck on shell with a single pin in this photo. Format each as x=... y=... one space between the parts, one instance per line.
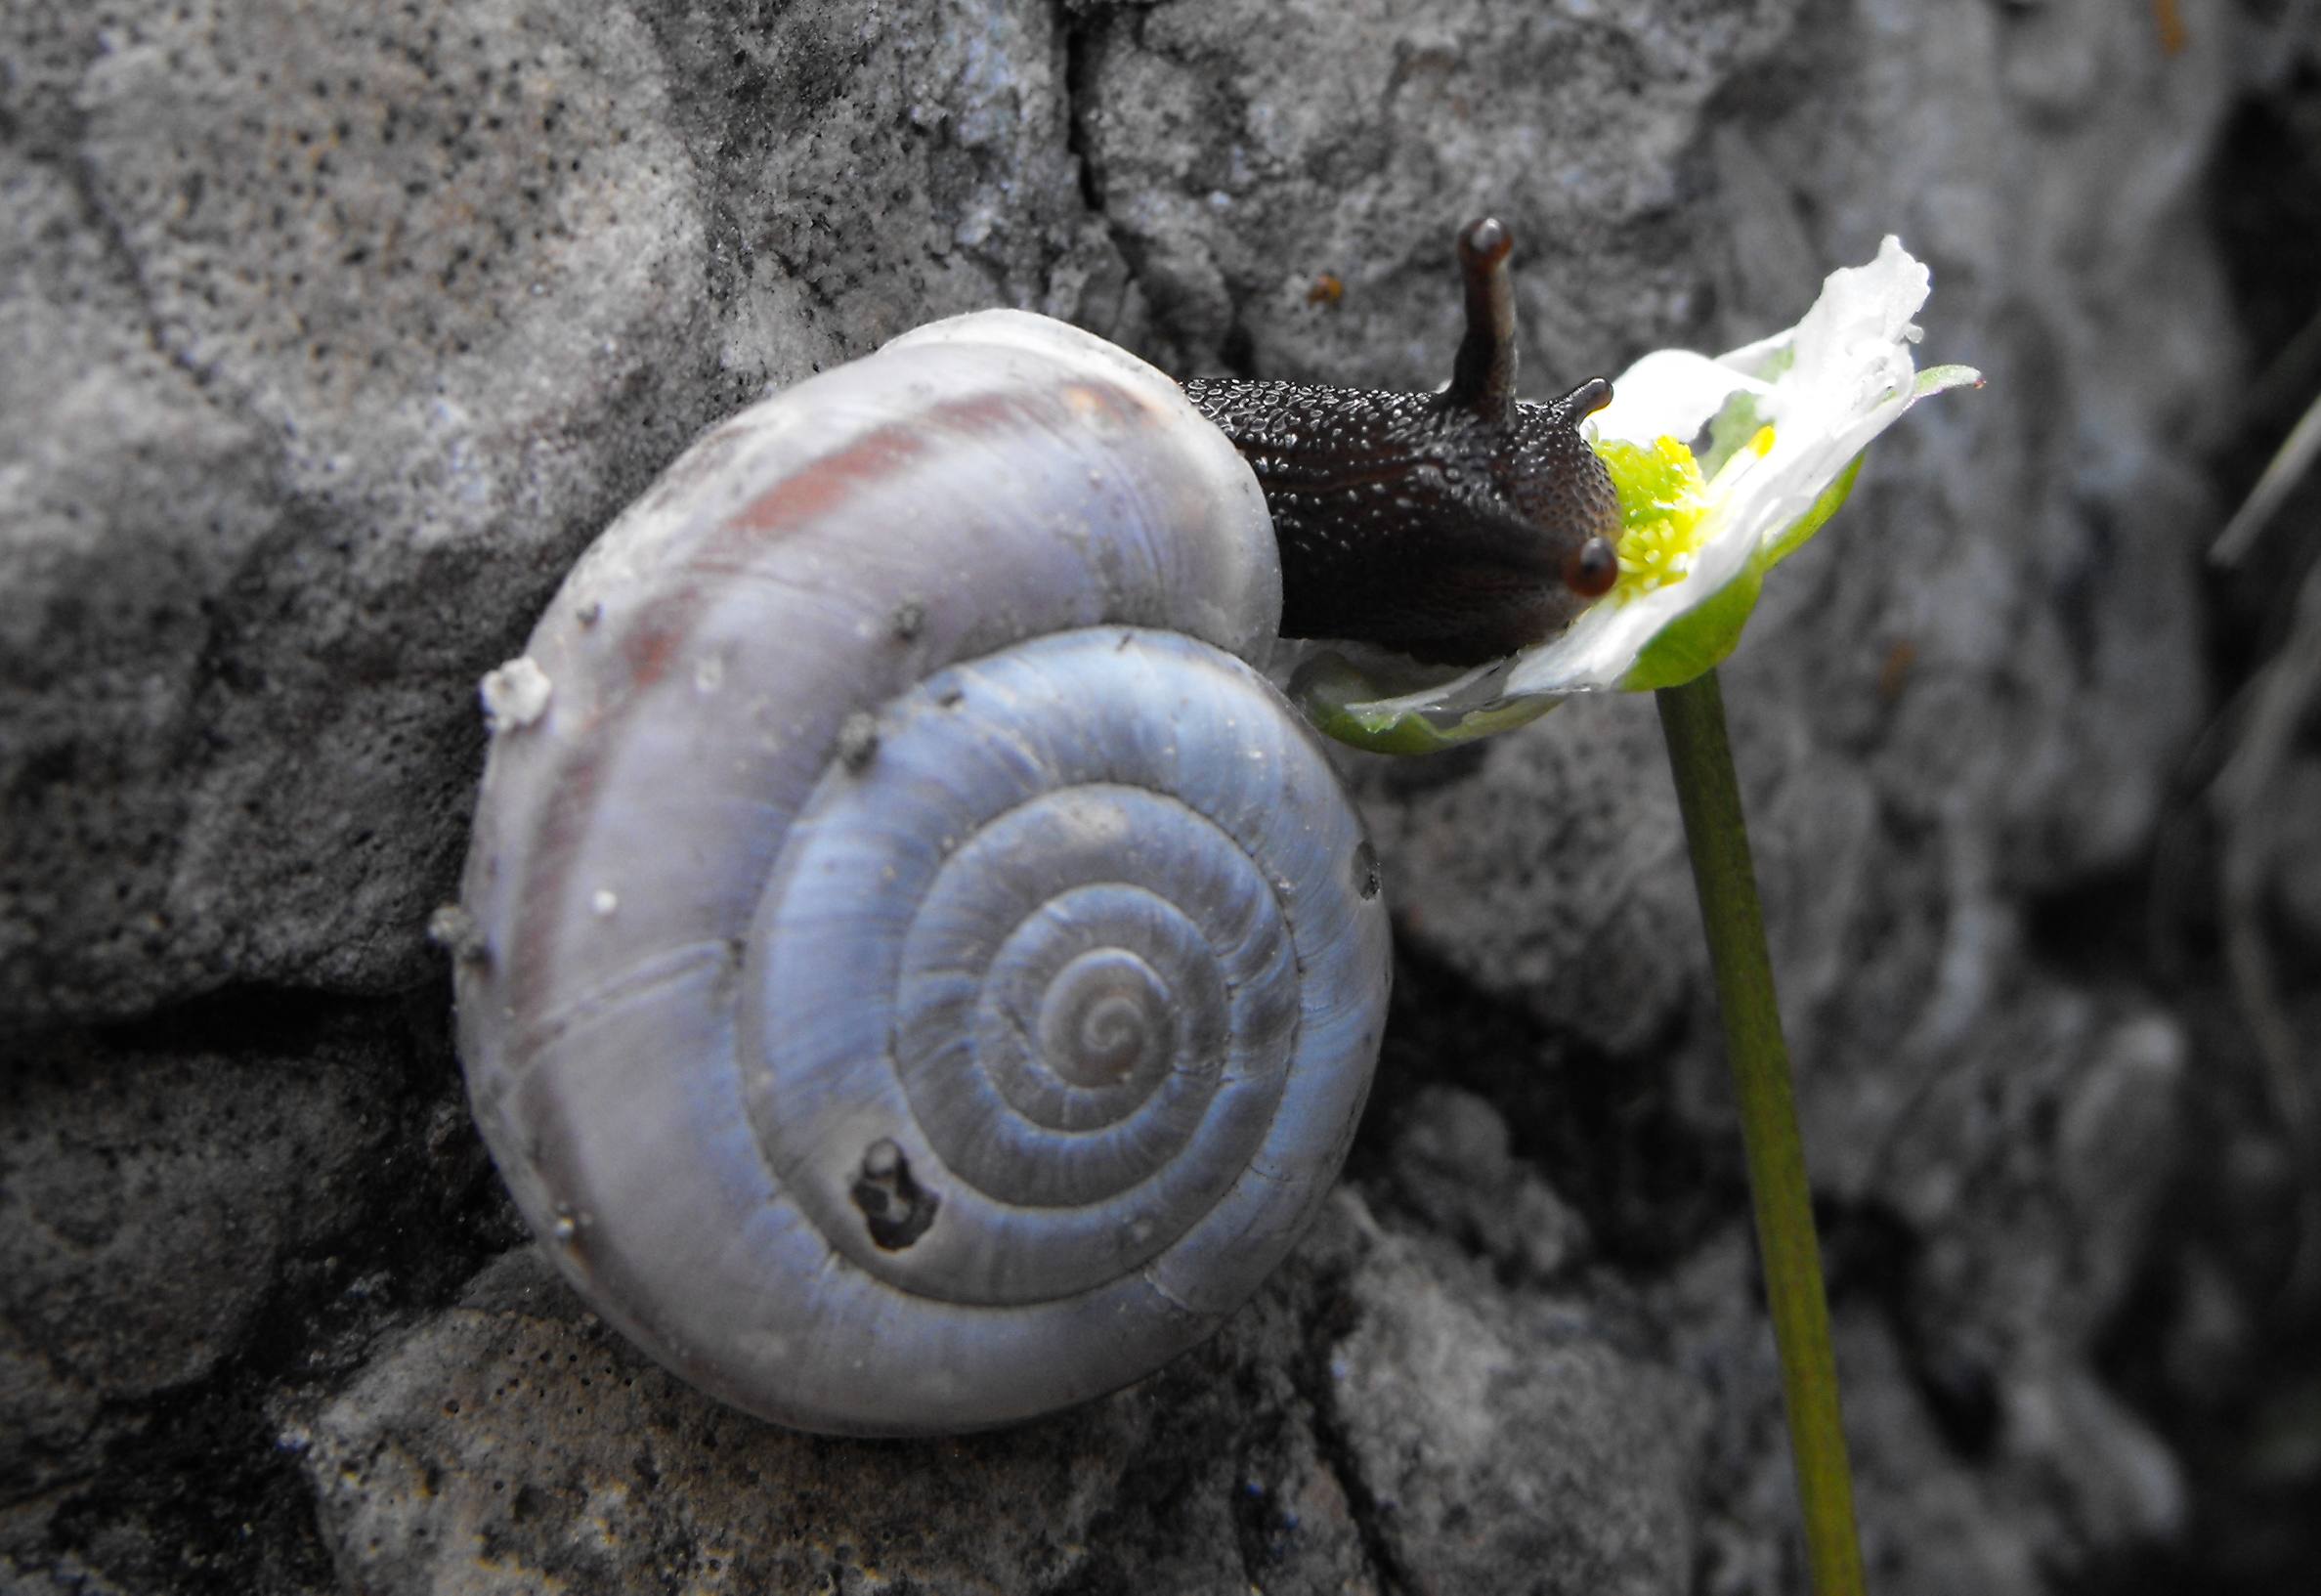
x=515 y=695
x=709 y=673
x=605 y=902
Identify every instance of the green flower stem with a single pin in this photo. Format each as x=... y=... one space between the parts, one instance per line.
x=1692 y=720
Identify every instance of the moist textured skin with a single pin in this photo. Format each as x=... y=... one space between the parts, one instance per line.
x=1455 y=527
x=1418 y=522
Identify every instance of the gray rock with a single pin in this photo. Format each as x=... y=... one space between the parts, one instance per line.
x=511 y=1439
x=343 y=344
x=153 y=1198
x=1555 y=874
x=1509 y=1439
x=1453 y=1164
x=1224 y=155
x=2287 y=841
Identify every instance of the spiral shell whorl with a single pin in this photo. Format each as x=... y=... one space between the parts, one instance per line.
x=1016 y=843
x=797 y=904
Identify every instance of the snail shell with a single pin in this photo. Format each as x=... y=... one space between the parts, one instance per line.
x=920 y=976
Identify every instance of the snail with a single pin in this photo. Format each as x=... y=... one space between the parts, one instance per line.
x=915 y=972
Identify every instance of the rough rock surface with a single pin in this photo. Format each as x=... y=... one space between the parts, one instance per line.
x=144 y=1225
x=453 y=1462
x=329 y=336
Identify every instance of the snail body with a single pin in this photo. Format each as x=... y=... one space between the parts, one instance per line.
x=1456 y=526
x=1409 y=522
x=920 y=974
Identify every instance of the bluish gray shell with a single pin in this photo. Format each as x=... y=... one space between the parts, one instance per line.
x=922 y=977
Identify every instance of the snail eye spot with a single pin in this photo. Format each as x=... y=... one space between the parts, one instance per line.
x=1591 y=570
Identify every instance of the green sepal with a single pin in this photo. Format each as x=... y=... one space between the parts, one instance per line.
x=1698 y=640
x=1936 y=378
x=1344 y=703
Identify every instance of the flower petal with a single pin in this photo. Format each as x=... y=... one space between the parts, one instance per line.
x=1670 y=393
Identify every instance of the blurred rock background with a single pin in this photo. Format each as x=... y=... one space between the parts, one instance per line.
x=331 y=335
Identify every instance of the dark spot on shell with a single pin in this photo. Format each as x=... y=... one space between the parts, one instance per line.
x=858 y=741
x=895 y=1208
x=569 y=1229
x=455 y=931
x=1369 y=880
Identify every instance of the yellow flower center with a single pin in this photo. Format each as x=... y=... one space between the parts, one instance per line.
x=1664 y=505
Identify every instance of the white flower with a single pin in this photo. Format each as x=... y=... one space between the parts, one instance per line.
x=1786 y=421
